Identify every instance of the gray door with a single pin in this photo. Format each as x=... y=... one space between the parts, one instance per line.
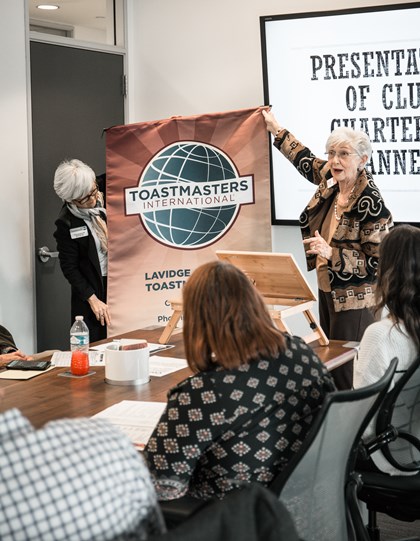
x=76 y=93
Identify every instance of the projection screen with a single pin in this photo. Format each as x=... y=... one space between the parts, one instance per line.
x=358 y=68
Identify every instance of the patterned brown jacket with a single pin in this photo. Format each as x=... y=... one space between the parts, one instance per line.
x=361 y=229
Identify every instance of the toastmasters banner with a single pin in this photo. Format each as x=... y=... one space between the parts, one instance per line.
x=178 y=190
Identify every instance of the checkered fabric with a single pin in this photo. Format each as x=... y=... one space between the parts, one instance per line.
x=225 y=427
x=74 y=479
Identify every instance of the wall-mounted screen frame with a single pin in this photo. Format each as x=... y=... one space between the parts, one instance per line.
x=357 y=67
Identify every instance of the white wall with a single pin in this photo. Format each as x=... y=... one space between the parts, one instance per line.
x=191 y=56
x=16 y=259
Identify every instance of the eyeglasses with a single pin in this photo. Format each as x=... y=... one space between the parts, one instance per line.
x=88 y=196
x=342 y=155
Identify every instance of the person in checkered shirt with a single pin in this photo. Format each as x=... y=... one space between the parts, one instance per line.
x=73 y=480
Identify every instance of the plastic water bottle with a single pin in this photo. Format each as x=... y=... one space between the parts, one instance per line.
x=79 y=335
x=79 y=347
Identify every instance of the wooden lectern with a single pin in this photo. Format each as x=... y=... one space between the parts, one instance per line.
x=279 y=280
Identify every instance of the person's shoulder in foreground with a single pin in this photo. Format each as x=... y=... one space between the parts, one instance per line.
x=73 y=479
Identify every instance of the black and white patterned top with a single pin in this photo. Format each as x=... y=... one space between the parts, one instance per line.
x=224 y=427
x=74 y=479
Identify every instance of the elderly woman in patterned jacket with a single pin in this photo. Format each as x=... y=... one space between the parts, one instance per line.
x=342 y=227
x=252 y=400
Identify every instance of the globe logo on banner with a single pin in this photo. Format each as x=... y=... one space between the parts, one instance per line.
x=189 y=195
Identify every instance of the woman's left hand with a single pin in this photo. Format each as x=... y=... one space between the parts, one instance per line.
x=318 y=246
x=7 y=357
x=100 y=309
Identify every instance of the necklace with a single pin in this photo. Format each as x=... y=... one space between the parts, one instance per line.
x=338 y=216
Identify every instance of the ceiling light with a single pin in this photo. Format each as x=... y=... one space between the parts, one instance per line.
x=48 y=6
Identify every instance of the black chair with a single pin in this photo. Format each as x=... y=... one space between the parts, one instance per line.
x=251 y=513
x=398 y=438
x=177 y=511
x=312 y=487
x=318 y=487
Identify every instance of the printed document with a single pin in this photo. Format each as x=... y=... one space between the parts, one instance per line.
x=137 y=419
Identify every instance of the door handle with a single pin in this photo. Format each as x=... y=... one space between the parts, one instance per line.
x=44 y=254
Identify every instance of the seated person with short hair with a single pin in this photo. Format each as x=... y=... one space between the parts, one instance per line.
x=73 y=479
x=252 y=400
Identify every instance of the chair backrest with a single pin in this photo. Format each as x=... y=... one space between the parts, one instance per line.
x=401 y=410
x=251 y=513
x=313 y=485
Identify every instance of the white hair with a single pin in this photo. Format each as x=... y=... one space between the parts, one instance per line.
x=358 y=140
x=73 y=179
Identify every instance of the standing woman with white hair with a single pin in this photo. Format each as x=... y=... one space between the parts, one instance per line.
x=82 y=242
x=342 y=227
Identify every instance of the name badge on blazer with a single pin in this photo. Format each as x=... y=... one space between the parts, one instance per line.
x=78 y=232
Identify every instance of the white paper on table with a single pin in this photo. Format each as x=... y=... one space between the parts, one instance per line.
x=158 y=366
x=161 y=366
x=352 y=345
x=137 y=419
x=23 y=374
x=63 y=358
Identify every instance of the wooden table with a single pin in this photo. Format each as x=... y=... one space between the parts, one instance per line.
x=48 y=396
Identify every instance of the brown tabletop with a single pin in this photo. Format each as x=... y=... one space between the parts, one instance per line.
x=49 y=396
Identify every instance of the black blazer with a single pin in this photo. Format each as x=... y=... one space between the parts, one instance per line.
x=79 y=262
